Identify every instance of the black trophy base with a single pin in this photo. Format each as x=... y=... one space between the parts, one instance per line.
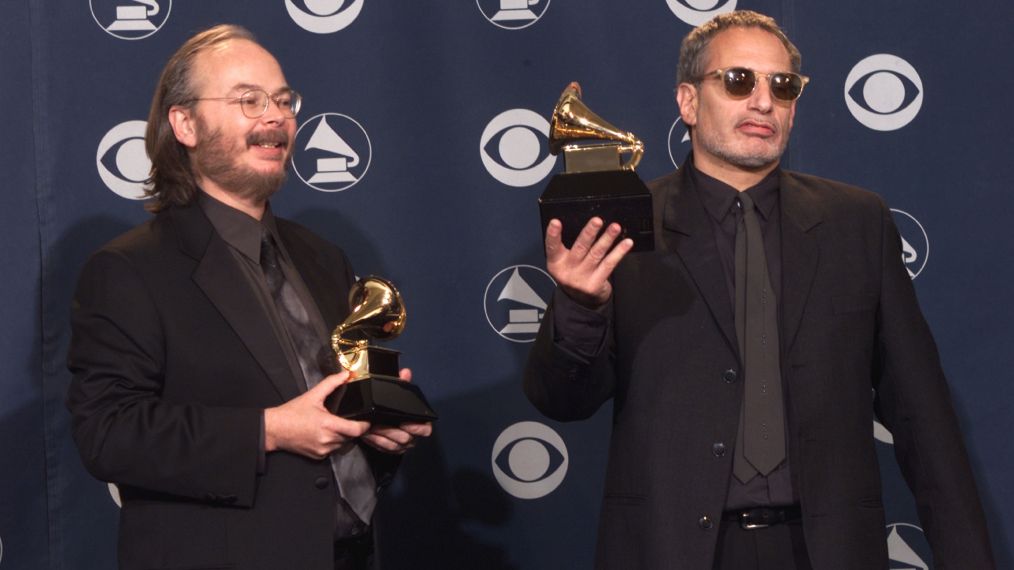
x=614 y=195
x=381 y=400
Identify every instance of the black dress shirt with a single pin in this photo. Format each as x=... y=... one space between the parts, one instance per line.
x=581 y=331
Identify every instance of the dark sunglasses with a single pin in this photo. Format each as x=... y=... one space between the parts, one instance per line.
x=741 y=81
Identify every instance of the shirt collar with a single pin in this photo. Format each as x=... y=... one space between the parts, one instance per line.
x=238 y=229
x=719 y=198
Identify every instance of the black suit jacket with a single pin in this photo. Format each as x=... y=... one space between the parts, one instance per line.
x=173 y=362
x=854 y=342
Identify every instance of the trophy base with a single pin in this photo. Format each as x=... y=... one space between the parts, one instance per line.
x=380 y=400
x=615 y=196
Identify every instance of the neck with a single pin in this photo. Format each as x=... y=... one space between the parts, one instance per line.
x=736 y=176
x=248 y=205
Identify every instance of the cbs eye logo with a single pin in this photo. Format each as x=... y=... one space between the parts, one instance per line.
x=514 y=148
x=679 y=142
x=883 y=92
x=696 y=12
x=324 y=16
x=529 y=460
x=122 y=161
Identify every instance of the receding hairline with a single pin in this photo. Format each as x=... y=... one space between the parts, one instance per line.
x=201 y=59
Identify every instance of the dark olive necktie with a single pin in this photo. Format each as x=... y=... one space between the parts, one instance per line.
x=352 y=471
x=761 y=444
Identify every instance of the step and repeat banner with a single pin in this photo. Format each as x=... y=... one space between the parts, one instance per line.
x=422 y=149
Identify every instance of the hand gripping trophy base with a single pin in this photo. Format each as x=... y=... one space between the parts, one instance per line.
x=379 y=397
x=374 y=393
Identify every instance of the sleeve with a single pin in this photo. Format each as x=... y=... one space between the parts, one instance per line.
x=569 y=373
x=126 y=432
x=914 y=403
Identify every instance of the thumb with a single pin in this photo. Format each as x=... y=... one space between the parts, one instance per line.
x=328 y=384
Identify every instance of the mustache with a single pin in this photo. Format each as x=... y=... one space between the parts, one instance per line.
x=270 y=137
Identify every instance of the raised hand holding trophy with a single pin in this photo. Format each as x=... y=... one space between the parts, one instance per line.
x=374 y=393
x=595 y=183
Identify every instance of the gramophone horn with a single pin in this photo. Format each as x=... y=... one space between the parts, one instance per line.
x=572 y=120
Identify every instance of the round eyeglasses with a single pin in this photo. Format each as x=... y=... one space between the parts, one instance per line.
x=741 y=81
x=254 y=103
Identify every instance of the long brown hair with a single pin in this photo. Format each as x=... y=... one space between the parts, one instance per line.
x=171 y=180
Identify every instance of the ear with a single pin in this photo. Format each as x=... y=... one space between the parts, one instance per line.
x=686 y=99
x=184 y=125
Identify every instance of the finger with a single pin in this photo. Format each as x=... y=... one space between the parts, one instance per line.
x=386 y=445
x=347 y=428
x=612 y=259
x=397 y=435
x=405 y=374
x=586 y=238
x=598 y=251
x=418 y=429
x=554 y=241
x=328 y=384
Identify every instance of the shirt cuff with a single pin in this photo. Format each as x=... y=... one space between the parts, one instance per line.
x=578 y=329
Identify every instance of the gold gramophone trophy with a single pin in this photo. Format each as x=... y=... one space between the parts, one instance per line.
x=596 y=182
x=374 y=393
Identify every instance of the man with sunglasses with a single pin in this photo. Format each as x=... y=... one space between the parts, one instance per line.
x=199 y=350
x=747 y=356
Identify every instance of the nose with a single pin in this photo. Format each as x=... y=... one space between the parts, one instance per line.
x=761 y=100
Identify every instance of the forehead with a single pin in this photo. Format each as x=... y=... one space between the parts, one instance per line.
x=747 y=47
x=236 y=64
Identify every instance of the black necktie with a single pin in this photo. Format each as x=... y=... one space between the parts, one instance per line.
x=352 y=472
x=761 y=444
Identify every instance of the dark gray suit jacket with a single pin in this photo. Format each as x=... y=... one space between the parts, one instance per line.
x=854 y=343
x=173 y=362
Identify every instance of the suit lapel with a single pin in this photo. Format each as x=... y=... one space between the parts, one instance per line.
x=688 y=232
x=800 y=254
x=219 y=276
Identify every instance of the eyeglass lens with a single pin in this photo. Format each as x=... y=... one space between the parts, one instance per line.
x=255 y=103
x=740 y=82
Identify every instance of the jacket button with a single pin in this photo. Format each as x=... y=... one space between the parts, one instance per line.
x=718 y=449
x=705 y=522
x=321 y=482
x=729 y=376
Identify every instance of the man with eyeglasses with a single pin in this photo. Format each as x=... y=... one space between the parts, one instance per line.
x=199 y=350
x=748 y=355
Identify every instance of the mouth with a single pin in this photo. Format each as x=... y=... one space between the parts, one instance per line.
x=271 y=141
x=756 y=128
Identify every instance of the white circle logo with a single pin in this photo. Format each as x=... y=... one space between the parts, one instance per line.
x=696 y=12
x=914 y=242
x=516 y=300
x=520 y=140
x=529 y=460
x=907 y=548
x=883 y=92
x=512 y=14
x=324 y=16
x=121 y=160
x=130 y=19
x=333 y=152
x=679 y=142
x=114 y=492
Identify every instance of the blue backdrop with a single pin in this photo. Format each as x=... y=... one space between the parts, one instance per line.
x=422 y=151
